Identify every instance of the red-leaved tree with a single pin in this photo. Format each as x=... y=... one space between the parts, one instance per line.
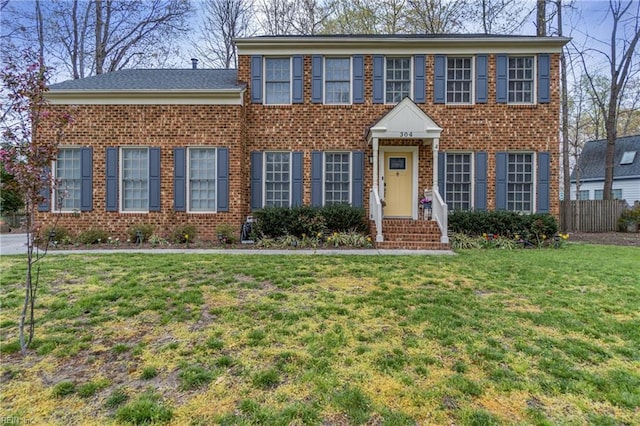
x=31 y=134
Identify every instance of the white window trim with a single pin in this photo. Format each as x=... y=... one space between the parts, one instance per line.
x=324 y=80
x=472 y=98
x=411 y=77
x=534 y=180
x=324 y=164
x=120 y=180
x=472 y=170
x=54 y=183
x=264 y=176
x=264 y=80
x=534 y=95
x=188 y=186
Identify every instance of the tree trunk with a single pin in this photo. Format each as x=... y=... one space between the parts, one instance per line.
x=566 y=167
x=541 y=19
x=99 y=43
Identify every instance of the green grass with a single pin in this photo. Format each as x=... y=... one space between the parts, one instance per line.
x=485 y=337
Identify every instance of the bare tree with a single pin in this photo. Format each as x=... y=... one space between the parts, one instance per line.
x=502 y=16
x=310 y=16
x=438 y=16
x=541 y=18
x=354 y=17
x=277 y=16
x=622 y=61
x=222 y=22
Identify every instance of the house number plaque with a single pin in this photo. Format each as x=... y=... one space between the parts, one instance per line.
x=406 y=134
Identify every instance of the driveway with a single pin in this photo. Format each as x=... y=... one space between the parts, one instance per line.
x=13 y=243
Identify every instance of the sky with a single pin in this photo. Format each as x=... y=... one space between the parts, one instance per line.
x=584 y=21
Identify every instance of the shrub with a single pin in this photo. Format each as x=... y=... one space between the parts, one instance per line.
x=629 y=218
x=93 y=236
x=300 y=221
x=60 y=234
x=501 y=223
x=343 y=218
x=226 y=234
x=145 y=229
x=185 y=233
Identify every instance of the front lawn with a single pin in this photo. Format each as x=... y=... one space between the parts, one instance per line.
x=485 y=337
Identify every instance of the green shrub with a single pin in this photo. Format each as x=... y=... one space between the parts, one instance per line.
x=301 y=221
x=93 y=236
x=343 y=218
x=185 y=233
x=629 y=218
x=535 y=227
x=60 y=235
x=226 y=234
x=145 y=229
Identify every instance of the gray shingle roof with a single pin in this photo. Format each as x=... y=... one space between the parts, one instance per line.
x=591 y=161
x=155 y=80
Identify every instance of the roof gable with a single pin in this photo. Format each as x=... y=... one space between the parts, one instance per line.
x=405 y=120
x=591 y=163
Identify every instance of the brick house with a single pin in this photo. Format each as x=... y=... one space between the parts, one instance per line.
x=472 y=122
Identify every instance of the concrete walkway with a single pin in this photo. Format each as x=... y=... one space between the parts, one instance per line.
x=13 y=244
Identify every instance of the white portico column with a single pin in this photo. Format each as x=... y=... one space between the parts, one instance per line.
x=375 y=165
x=435 y=146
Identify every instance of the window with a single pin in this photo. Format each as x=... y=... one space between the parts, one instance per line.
x=520 y=182
x=69 y=180
x=135 y=179
x=202 y=179
x=337 y=181
x=583 y=194
x=459 y=80
x=277 y=179
x=598 y=194
x=277 y=81
x=337 y=80
x=521 y=81
x=458 y=181
x=628 y=157
x=398 y=79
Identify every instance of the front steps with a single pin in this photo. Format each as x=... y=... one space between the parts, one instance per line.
x=410 y=235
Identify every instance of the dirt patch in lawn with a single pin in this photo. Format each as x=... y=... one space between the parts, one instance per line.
x=611 y=238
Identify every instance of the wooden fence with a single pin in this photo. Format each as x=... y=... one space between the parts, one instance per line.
x=592 y=215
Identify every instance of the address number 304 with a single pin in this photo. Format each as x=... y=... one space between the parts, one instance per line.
x=406 y=134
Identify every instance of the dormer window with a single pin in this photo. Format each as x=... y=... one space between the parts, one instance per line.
x=628 y=157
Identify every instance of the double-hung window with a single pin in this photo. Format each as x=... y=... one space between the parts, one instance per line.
x=134 y=179
x=202 y=179
x=277 y=81
x=69 y=180
x=521 y=79
x=458 y=181
x=277 y=179
x=520 y=181
x=583 y=194
x=616 y=194
x=337 y=80
x=397 y=79
x=337 y=178
x=459 y=80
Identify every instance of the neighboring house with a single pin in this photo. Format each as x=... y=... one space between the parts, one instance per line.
x=374 y=121
x=626 y=170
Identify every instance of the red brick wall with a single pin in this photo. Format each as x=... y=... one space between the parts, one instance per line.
x=303 y=127
x=489 y=127
x=164 y=126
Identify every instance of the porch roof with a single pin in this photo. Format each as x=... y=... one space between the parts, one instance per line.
x=405 y=121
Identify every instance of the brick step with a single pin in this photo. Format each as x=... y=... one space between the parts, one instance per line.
x=412 y=245
x=431 y=229
x=392 y=236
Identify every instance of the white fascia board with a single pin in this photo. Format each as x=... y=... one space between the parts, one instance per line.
x=400 y=46
x=146 y=97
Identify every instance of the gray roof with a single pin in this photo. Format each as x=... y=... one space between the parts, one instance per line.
x=591 y=161
x=155 y=80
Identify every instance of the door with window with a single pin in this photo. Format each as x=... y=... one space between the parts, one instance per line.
x=398 y=184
